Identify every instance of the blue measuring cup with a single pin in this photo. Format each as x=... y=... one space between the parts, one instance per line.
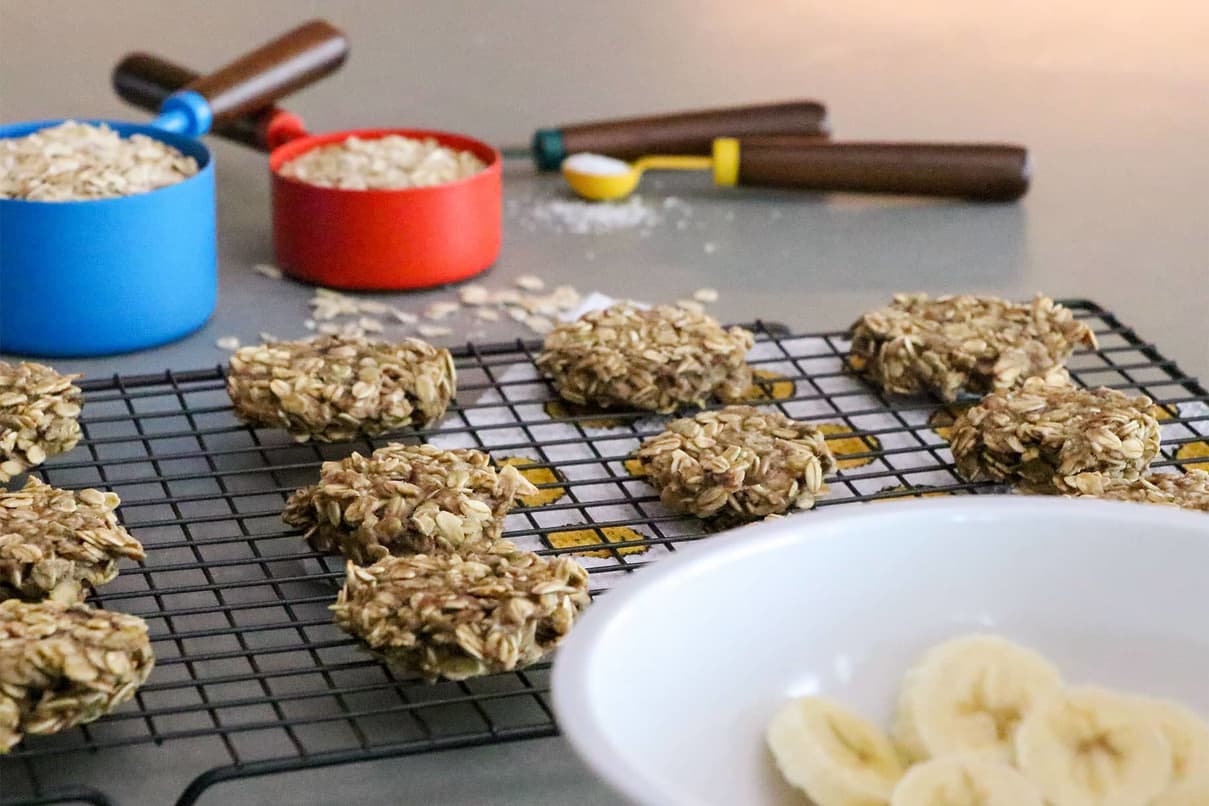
x=103 y=276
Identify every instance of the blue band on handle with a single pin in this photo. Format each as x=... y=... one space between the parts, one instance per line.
x=548 y=149
x=185 y=112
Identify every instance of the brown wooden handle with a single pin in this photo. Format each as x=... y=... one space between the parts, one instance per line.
x=292 y=60
x=145 y=80
x=984 y=172
x=692 y=132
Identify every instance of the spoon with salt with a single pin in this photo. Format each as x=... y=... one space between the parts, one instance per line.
x=975 y=171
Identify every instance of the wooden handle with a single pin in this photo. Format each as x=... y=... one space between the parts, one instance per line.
x=983 y=172
x=692 y=132
x=292 y=60
x=145 y=80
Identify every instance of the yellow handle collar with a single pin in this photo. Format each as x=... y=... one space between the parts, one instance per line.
x=726 y=162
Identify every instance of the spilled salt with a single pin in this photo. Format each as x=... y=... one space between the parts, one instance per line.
x=583 y=218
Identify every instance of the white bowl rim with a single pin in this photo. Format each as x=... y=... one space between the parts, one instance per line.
x=609 y=761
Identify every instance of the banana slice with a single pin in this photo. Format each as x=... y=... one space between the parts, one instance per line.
x=1188 y=736
x=970 y=780
x=833 y=755
x=1092 y=747
x=1184 y=796
x=969 y=695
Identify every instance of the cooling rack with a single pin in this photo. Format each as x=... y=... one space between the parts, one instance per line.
x=253 y=679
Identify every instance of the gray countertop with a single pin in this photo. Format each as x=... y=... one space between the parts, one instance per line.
x=1112 y=104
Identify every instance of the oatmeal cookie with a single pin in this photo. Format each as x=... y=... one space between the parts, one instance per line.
x=60 y=544
x=38 y=411
x=406 y=499
x=62 y=665
x=963 y=343
x=456 y=616
x=335 y=388
x=1189 y=490
x=739 y=463
x=1041 y=436
x=658 y=359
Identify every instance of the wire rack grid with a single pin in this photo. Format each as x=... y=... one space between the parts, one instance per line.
x=253 y=678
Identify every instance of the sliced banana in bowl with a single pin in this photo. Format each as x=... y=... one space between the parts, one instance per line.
x=1188 y=736
x=968 y=695
x=1088 y=746
x=965 y=779
x=833 y=755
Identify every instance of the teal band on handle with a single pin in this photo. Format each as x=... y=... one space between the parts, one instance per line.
x=185 y=112
x=548 y=149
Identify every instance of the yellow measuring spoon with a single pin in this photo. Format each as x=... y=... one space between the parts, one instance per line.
x=599 y=178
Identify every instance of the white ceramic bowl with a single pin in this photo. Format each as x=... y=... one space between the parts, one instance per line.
x=665 y=686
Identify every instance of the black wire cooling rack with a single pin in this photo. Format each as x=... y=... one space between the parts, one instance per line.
x=252 y=678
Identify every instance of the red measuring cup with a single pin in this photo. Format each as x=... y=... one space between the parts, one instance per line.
x=356 y=239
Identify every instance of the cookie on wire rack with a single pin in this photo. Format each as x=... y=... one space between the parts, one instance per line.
x=60 y=544
x=38 y=416
x=954 y=344
x=335 y=388
x=739 y=463
x=456 y=616
x=63 y=665
x=1189 y=490
x=658 y=359
x=406 y=499
x=1043 y=435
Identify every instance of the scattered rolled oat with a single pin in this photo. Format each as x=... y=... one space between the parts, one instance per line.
x=77 y=161
x=404 y=317
x=372 y=306
x=539 y=324
x=434 y=331
x=487 y=314
x=369 y=324
x=530 y=282
x=739 y=462
x=506 y=296
x=657 y=359
x=327 y=305
x=334 y=388
x=1041 y=436
x=455 y=617
x=1189 y=490
x=38 y=415
x=382 y=163
x=405 y=499
x=59 y=544
x=441 y=309
x=955 y=343
x=474 y=294
x=268 y=270
x=706 y=295
x=63 y=665
x=229 y=343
